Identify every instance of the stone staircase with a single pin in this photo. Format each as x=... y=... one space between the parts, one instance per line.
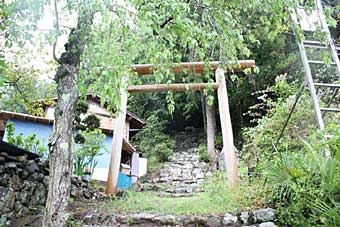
x=183 y=173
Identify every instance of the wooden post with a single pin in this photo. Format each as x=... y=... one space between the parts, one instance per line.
x=227 y=131
x=211 y=128
x=117 y=142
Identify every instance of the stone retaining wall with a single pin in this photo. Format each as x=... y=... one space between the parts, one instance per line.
x=23 y=188
x=257 y=218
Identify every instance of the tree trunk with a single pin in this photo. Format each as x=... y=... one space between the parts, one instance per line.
x=211 y=129
x=61 y=140
x=204 y=111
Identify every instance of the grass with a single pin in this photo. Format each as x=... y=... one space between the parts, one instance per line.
x=151 y=203
x=216 y=199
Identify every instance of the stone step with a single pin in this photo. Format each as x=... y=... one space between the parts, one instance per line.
x=173 y=195
x=257 y=218
x=183 y=173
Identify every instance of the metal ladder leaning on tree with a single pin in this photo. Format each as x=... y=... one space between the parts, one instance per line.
x=329 y=45
x=322 y=102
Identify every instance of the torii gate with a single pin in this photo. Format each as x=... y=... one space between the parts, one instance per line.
x=222 y=96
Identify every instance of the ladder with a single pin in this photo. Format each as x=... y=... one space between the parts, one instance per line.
x=332 y=104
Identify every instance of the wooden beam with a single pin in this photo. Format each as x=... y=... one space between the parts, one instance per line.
x=117 y=143
x=227 y=131
x=196 y=67
x=171 y=87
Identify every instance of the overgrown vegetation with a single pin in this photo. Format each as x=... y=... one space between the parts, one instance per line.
x=202 y=146
x=29 y=143
x=260 y=142
x=304 y=183
x=154 y=143
x=301 y=182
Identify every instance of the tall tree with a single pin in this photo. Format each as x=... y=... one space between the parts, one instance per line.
x=24 y=92
x=61 y=140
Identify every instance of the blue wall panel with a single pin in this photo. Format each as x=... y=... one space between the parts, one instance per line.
x=104 y=159
x=42 y=131
x=124 y=181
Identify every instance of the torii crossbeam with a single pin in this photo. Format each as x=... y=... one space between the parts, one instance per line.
x=222 y=95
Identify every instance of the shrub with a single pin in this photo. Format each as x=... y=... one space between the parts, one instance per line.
x=153 y=142
x=305 y=185
x=30 y=143
x=85 y=152
x=259 y=141
x=203 y=153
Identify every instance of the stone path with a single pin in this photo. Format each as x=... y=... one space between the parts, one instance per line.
x=184 y=173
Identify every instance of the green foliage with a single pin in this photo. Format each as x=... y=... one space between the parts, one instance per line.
x=81 y=108
x=70 y=222
x=305 y=185
x=216 y=199
x=161 y=33
x=89 y=122
x=203 y=153
x=153 y=142
x=23 y=92
x=30 y=143
x=88 y=138
x=249 y=195
x=85 y=152
x=259 y=141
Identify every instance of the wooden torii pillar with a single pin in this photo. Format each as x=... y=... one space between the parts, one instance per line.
x=227 y=130
x=189 y=67
x=117 y=143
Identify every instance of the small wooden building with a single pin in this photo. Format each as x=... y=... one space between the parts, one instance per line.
x=42 y=127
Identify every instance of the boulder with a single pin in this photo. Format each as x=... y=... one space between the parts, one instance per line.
x=24 y=197
x=35 y=176
x=32 y=167
x=15 y=183
x=244 y=216
x=39 y=196
x=267 y=224
x=45 y=181
x=4 y=178
x=264 y=215
x=17 y=206
x=73 y=191
x=229 y=219
x=10 y=165
x=7 y=199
